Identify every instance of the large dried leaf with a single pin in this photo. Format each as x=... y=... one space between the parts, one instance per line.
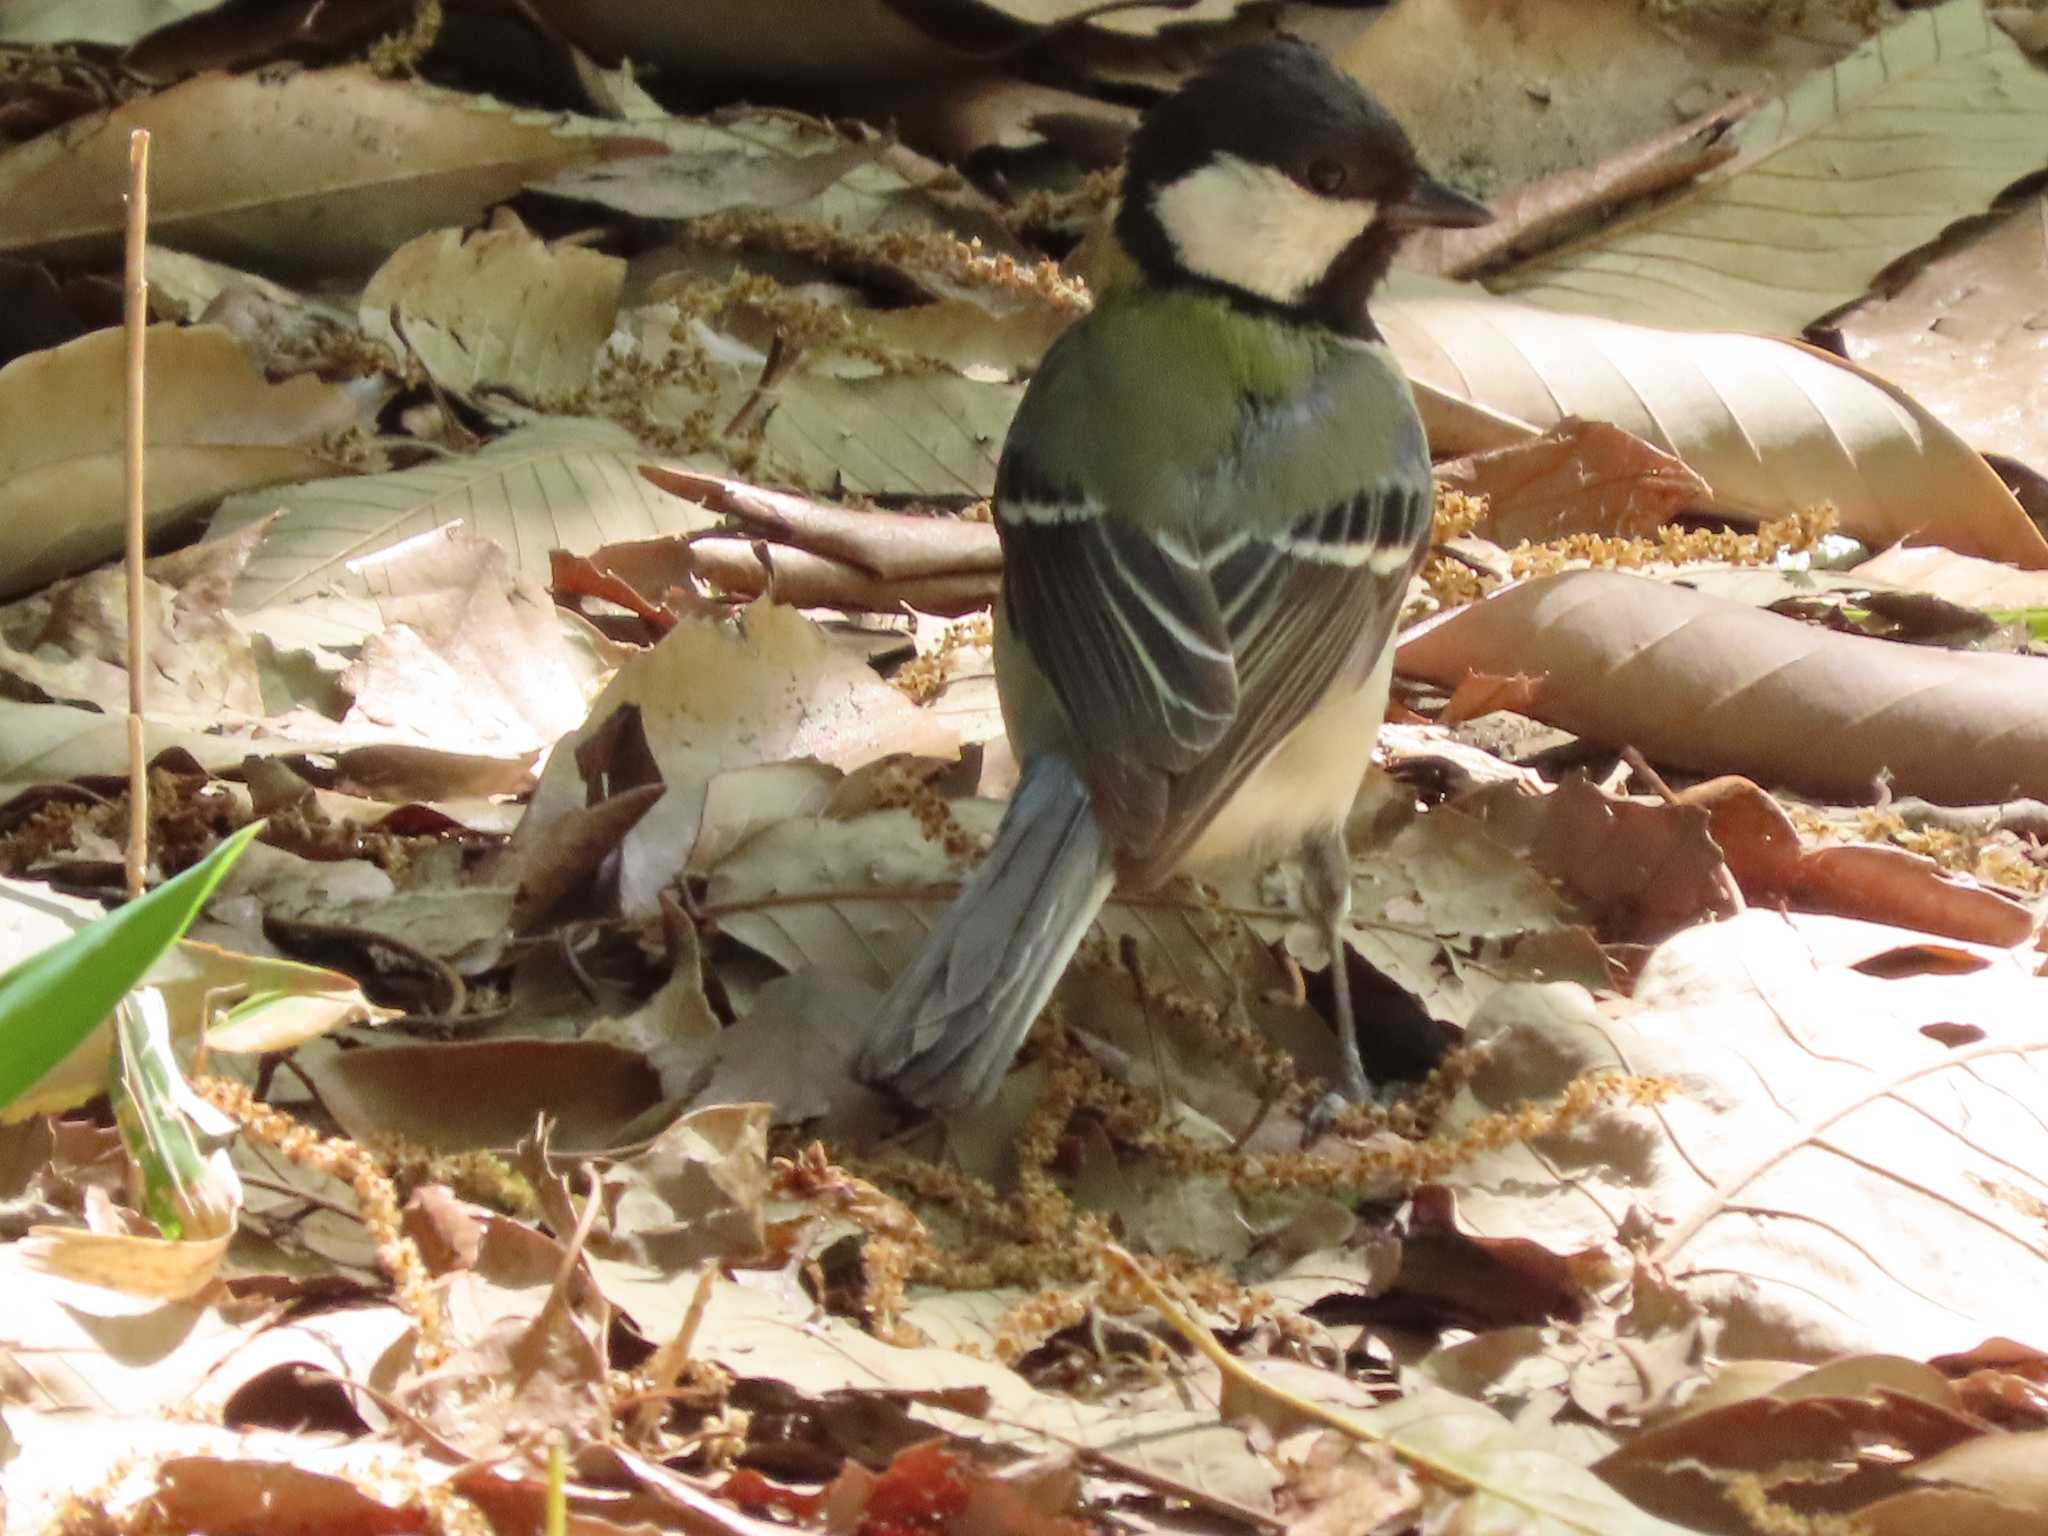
x=563 y=483
x=1847 y=1162
x=1924 y=124
x=214 y=426
x=1968 y=333
x=1718 y=686
x=1773 y=426
x=316 y=171
x=498 y=307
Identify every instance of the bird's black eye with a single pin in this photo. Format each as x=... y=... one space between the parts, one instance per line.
x=1327 y=177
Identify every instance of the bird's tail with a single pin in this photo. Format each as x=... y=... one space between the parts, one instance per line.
x=953 y=1021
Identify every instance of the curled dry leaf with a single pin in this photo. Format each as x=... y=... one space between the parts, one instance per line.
x=1719 y=687
x=748 y=569
x=1885 y=885
x=316 y=171
x=888 y=544
x=1814 y=1439
x=496 y=307
x=1923 y=125
x=1773 y=427
x=215 y=426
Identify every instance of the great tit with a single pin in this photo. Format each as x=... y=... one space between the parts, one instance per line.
x=1210 y=503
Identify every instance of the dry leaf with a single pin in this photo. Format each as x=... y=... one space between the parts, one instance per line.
x=1638 y=870
x=1923 y=125
x=311 y=171
x=714 y=696
x=562 y=483
x=1958 y=578
x=1579 y=477
x=1722 y=688
x=1774 y=427
x=466 y=1095
x=497 y=307
x=1878 y=1193
x=746 y=569
x=214 y=426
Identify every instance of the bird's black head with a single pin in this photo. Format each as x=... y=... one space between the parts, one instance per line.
x=1273 y=177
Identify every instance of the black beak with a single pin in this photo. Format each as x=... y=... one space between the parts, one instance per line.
x=1432 y=205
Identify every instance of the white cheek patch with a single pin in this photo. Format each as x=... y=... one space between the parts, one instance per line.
x=1253 y=228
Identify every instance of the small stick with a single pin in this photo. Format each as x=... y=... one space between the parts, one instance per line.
x=135 y=327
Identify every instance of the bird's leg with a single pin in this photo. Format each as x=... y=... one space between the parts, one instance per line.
x=1327 y=890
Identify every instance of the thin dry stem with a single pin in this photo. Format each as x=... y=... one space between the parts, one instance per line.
x=135 y=326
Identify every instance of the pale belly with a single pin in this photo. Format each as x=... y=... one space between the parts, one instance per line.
x=1308 y=783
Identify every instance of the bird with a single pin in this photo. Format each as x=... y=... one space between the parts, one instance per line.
x=1210 y=502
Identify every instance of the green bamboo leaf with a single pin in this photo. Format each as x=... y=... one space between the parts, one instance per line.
x=53 y=1000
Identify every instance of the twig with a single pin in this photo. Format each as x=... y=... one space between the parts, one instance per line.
x=135 y=327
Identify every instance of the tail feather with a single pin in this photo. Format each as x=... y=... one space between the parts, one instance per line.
x=954 y=1020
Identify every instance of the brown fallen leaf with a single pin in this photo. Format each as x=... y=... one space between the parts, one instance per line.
x=1813 y=1445
x=1775 y=427
x=1959 y=578
x=1718 y=687
x=1908 y=890
x=1830 y=1175
x=1639 y=871
x=1579 y=477
x=496 y=307
x=459 y=1096
x=715 y=695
